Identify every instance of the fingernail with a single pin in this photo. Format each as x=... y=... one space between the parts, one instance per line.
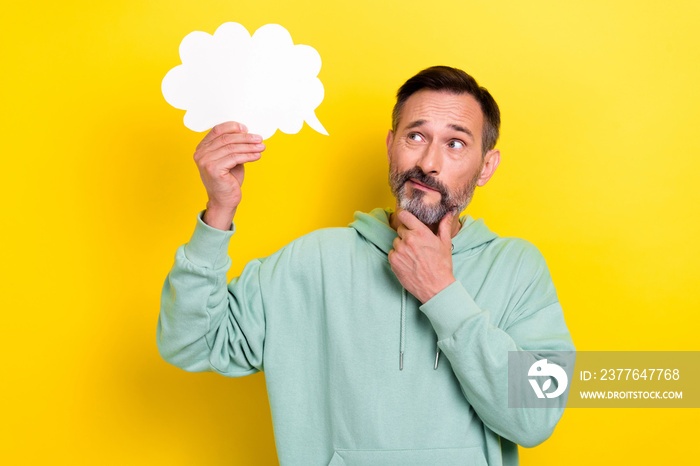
x=243 y=127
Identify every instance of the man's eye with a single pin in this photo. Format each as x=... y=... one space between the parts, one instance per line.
x=414 y=136
x=454 y=144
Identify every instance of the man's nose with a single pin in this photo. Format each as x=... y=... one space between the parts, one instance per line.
x=431 y=160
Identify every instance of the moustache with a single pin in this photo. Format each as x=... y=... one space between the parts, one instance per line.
x=418 y=175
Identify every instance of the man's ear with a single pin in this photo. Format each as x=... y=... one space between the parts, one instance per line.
x=389 y=142
x=491 y=161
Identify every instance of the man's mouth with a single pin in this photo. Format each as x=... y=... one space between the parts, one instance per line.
x=421 y=186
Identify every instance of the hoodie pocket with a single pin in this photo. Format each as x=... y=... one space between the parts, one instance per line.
x=473 y=456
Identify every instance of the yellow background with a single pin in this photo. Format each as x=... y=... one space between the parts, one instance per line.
x=600 y=164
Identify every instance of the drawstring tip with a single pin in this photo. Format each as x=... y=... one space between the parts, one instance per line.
x=401 y=361
x=437 y=357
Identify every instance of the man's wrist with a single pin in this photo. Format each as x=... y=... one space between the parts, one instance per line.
x=428 y=295
x=218 y=218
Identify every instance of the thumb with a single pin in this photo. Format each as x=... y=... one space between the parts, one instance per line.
x=445 y=227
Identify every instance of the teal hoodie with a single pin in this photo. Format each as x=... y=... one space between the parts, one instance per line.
x=358 y=371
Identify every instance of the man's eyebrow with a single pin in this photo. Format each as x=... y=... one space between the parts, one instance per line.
x=415 y=124
x=462 y=129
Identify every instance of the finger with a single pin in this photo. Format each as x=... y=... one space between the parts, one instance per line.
x=223 y=128
x=228 y=139
x=445 y=227
x=226 y=164
x=240 y=159
x=410 y=220
x=401 y=230
x=390 y=258
x=225 y=151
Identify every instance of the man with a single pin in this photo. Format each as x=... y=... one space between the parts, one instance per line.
x=385 y=342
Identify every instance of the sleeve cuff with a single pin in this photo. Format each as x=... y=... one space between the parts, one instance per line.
x=448 y=309
x=208 y=246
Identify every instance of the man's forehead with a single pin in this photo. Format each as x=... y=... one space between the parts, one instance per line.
x=458 y=111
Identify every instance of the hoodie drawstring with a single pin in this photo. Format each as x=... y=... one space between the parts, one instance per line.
x=402 y=335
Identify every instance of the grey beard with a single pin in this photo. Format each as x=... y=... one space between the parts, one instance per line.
x=450 y=202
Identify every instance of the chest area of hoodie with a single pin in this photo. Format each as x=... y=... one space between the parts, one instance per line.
x=348 y=305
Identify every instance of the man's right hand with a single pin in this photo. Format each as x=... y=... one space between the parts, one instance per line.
x=220 y=157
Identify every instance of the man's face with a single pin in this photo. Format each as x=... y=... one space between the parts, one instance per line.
x=435 y=156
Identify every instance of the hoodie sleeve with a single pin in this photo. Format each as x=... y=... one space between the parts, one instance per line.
x=478 y=350
x=205 y=324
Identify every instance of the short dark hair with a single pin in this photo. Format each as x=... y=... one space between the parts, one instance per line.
x=456 y=81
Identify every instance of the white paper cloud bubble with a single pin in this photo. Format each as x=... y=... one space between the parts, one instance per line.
x=264 y=81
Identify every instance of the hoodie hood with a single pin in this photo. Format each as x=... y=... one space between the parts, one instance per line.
x=374 y=227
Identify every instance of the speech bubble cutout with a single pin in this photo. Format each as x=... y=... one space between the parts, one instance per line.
x=264 y=81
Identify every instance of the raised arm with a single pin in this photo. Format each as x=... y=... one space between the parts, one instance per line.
x=206 y=324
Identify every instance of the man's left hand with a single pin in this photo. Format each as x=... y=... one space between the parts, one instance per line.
x=421 y=260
